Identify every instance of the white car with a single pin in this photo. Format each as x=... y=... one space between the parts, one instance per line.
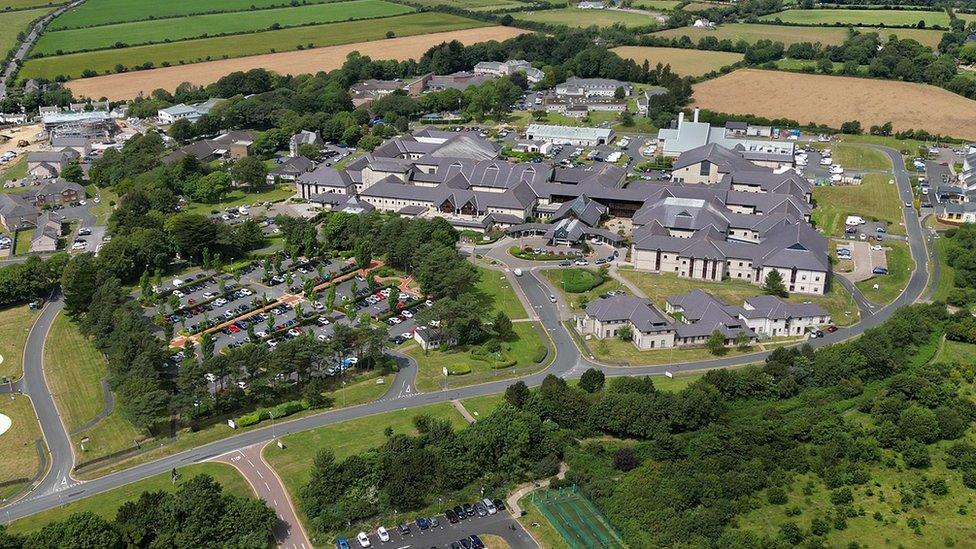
x=363 y=539
x=876 y=247
x=406 y=314
x=581 y=262
x=210 y=377
x=321 y=337
x=220 y=302
x=246 y=291
x=208 y=295
x=383 y=534
x=826 y=161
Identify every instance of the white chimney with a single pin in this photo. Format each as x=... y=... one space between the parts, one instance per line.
x=681 y=118
x=696 y=114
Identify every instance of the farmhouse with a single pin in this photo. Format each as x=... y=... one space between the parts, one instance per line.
x=569 y=135
x=685 y=136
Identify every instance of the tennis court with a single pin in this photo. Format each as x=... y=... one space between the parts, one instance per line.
x=576 y=518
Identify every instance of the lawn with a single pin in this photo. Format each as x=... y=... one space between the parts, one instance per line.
x=615 y=351
x=947 y=274
x=685 y=62
x=522 y=119
x=18 y=453
x=17 y=170
x=658 y=287
x=240 y=197
x=199 y=26
x=103 y=12
x=955 y=351
x=294 y=463
x=828 y=36
x=524 y=348
x=538 y=525
x=576 y=300
x=496 y=285
x=874 y=199
x=74 y=369
x=22 y=242
x=481 y=406
x=574 y=17
x=869 y=17
x=10 y=5
x=359 y=390
x=103 y=209
x=900 y=266
x=106 y=504
x=15 y=324
x=852 y=157
x=655 y=4
x=15 y=22
x=206 y=49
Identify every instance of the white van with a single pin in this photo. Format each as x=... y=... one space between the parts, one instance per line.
x=490 y=506
x=855 y=220
x=518 y=272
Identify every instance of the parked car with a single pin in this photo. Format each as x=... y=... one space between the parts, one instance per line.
x=489 y=506
x=451 y=516
x=342 y=543
x=403 y=530
x=476 y=542
x=363 y=540
x=879 y=271
x=383 y=534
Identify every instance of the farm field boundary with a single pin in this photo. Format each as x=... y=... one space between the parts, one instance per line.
x=129 y=85
x=833 y=100
x=104 y=12
x=685 y=62
x=208 y=49
x=753 y=32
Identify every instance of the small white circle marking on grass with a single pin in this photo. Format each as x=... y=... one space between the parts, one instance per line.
x=4 y=424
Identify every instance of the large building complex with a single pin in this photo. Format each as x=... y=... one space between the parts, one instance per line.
x=739 y=221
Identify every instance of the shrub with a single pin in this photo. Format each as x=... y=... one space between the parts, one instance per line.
x=577 y=281
x=500 y=364
x=540 y=354
x=458 y=369
x=776 y=495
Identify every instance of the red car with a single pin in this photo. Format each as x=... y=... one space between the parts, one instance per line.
x=233 y=329
x=831 y=328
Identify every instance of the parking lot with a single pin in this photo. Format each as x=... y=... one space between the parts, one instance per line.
x=866 y=256
x=450 y=535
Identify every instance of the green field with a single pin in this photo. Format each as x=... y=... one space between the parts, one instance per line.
x=663 y=5
x=524 y=348
x=852 y=157
x=199 y=26
x=10 y=5
x=947 y=274
x=685 y=62
x=574 y=17
x=473 y=5
x=860 y=17
x=18 y=453
x=15 y=324
x=615 y=351
x=293 y=463
x=192 y=51
x=107 y=503
x=15 y=22
x=900 y=265
x=658 y=287
x=481 y=406
x=17 y=170
x=753 y=32
x=495 y=284
x=104 y=12
x=874 y=199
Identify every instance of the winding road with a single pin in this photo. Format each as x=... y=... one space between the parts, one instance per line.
x=57 y=487
x=28 y=43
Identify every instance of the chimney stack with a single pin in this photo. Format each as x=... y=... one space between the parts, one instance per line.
x=681 y=118
x=696 y=114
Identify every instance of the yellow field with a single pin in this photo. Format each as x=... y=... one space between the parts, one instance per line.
x=683 y=61
x=833 y=100
x=753 y=32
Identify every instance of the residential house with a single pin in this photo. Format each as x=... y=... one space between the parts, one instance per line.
x=81 y=145
x=45 y=164
x=46 y=233
x=767 y=316
x=16 y=213
x=55 y=192
x=232 y=145
x=290 y=169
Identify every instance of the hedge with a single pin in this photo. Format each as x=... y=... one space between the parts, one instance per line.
x=458 y=369
x=282 y=410
x=577 y=281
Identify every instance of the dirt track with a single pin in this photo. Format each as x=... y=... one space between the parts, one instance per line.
x=833 y=100
x=131 y=84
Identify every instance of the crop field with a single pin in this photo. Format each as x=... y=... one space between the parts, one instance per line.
x=832 y=100
x=473 y=5
x=207 y=49
x=199 y=26
x=130 y=84
x=104 y=12
x=14 y=22
x=663 y=5
x=683 y=61
x=9 y=5
x=574 y=17
x=860 y=17
x=752 y=32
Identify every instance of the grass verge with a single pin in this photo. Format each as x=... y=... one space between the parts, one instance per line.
x=15 y=324
x=900 y=265
x=18 y=453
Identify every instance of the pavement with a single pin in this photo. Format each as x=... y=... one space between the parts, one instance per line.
x=58 y=488
x=288 y=532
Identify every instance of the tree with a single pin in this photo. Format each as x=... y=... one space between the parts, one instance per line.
x=364 y=253
x=517 y=394
x=73 y=172
x=211 y=187
x=625 y=459
x=502 y=326
x=742 y=341
x=773 y=285
x=852 y=127
x=310 y=151
x=619 y=93
x=181 y=130
x=249 y=171
x=394 y=298
x=207 y=346
x=626 y=118
x=592 y=380
x=625 y=333
x=716 y=343
x=191 y=234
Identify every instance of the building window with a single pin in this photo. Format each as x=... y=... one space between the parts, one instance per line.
x=705 y=168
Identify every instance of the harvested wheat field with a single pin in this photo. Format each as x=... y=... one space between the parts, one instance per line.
x=131 y=84
x=833 y=100
x=683 y=61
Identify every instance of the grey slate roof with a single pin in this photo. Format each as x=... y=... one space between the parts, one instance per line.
x=582 y=208
x=774 y=308
x=639 y=311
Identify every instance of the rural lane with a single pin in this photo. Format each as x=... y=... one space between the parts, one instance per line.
x=566 y=362
x=28 y=43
